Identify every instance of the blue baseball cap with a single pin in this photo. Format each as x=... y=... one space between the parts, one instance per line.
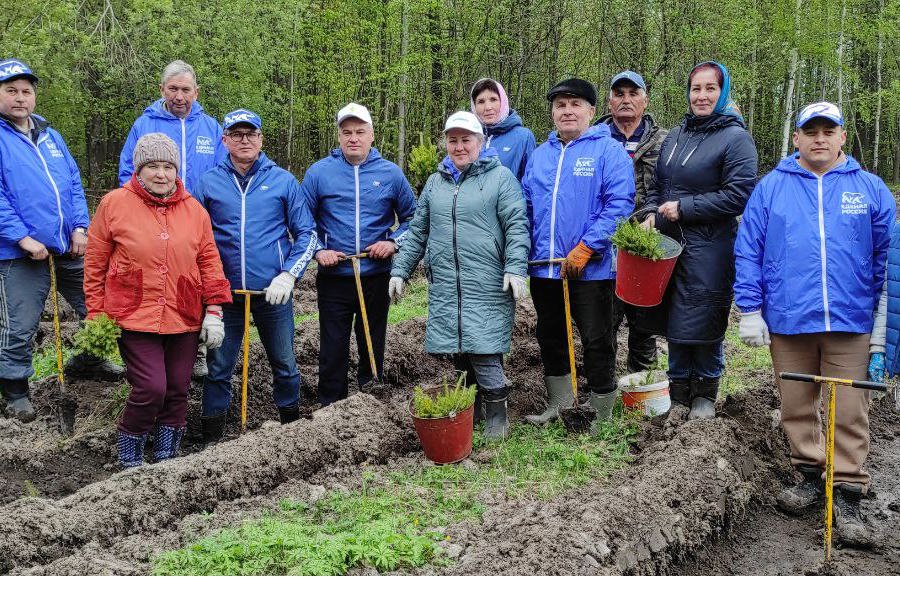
x=820 y=110
x=13 y=68
x=630 y=76
x=242 y=115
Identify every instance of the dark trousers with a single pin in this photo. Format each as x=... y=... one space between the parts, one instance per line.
x=696 y=361
x=339 y=311
x=158 y=367
x=641 y=345
x=592 y=310
x=24 y=285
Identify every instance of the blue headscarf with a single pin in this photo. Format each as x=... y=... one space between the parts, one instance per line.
x=725 y=105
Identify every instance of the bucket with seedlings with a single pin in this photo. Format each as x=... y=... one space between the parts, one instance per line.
x=442 y=415
x=646 y=392
x=644 y=263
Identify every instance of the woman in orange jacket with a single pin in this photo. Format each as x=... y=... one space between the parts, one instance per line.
x=152 y=265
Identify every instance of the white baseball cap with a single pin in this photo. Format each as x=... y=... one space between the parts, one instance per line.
x=824 y=110
x=463 y=120
x=357 y=111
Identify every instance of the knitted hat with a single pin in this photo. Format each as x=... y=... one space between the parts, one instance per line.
x=155 y=147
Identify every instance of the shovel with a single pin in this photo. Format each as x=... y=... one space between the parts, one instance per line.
x=362 y=308
x=65 y=404
x=247 y=295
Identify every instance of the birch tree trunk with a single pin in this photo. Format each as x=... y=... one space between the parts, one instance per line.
x=878 y=64
x=792 y=79
x=401 y=102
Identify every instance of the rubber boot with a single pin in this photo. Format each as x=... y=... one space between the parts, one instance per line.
x=88 y=366
x=703 y=398
x=496 y=421
x=289 y=414
x=559 y=396
x=167 y=441
x=680 y=391
x=806 y=494
x=18 y=401
x=131 y=449
x=200 y=371
x=603 y=405
x=849 y=523
x=478 y=416
x=213 y=428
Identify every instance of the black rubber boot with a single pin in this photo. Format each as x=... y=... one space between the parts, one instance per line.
x=213 y=428
x=849 y=524
x=289 y=414
x=703 y=398
x=496 y=421
x=18 y=401
x=806 y=494
x=87 y=366
x=680 y=391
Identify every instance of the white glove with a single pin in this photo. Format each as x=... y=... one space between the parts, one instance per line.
x=517 y=283
x=212 y=333
x=279 y=291
x=395 y=288
x=753 y=330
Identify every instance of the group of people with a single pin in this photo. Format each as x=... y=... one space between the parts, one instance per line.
x=202 y=212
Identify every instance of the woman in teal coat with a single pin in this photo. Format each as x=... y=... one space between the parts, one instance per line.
x=471 y=228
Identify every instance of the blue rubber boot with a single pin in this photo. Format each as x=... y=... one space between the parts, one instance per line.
x=167 y=442
x=131 y=449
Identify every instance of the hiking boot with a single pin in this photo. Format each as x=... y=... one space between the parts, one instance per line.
x=212 y=428
x=603 y=405
x=88 y=366
x=18 y=401
x=131 y=449
x=559 y=396
x=680 y=391
x=806 y=494
x=289 y=414
x=849 y=524
x=496 y=421
x=167 y=441
x=200 y=371
x=703 y=398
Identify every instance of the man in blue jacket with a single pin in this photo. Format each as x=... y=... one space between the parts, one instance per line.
x=810 y=259
x=266 y=236
x=43 y=211
x=577 y=185
x=198 y=136
x=356 y=197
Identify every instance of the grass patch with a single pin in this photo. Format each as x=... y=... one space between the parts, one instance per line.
x=741 y=363
x=396 y=520
x=414 y=303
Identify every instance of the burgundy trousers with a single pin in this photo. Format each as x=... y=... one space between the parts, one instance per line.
x=158 y=367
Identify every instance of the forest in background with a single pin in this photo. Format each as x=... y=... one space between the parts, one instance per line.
x=412 y=62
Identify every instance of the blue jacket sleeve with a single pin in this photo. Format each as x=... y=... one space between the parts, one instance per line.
x=12 y=228
x=126 y=166
x=79 y=215
x=749 y=250
x=882 y=222
x=404 y=207
x=414 y=244
x=616 y=199
x=303 y=231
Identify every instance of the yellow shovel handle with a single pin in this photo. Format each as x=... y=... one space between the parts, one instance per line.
x=246 y=294
x=365 y=317
x=829 y=467
x=570 y=340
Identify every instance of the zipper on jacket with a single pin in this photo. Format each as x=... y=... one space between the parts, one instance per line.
x=183 y=153
x=280 y=254
x=487 y=142
x=822 y=253
x=356 y=181
x=458 y=281
x=243 y=220
x=559 y=164
x=53 y=184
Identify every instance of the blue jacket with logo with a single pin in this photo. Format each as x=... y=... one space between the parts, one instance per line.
x=357 y=205
x=198 y=137
x=811 y=250
x=41 y=195
x=513 y=142
x=892 y=324
x=260 y=222
x=577 y=193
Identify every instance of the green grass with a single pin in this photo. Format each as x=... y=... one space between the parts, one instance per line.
x=414 y=303
x=741 y=363
x=396 y=520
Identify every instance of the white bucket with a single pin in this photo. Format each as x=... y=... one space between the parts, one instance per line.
x=652 y=398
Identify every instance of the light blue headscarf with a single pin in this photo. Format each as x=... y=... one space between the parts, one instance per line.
x=725 y=105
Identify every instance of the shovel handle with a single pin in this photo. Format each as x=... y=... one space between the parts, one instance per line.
x=856 y=383
x=249 y=292
x=556 y=261
x=352 y=256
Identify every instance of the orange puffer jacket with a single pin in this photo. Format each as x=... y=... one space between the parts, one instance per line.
x=151 y=263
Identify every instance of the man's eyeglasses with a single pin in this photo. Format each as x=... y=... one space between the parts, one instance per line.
x=237 y=136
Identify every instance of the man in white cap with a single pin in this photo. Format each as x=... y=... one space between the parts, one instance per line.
x=356 y=198
x=810 y=258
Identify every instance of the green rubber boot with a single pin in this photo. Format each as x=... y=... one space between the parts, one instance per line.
x=603 y=404
x=559 y=396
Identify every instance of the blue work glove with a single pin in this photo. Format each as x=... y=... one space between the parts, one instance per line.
x=876 y=367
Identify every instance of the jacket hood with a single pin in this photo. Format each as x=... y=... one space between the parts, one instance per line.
x=595 y=132
x=510 y=122
x=373 y=155
x=790 y=164
x=649 y=122
x=158 y=111
x=40 y=123
x=262 y=163
x=712 y=122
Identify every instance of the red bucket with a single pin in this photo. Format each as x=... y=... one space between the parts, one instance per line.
x=641 y=281
x=445 y=440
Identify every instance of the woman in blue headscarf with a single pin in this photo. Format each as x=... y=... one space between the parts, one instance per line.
x=704 y=176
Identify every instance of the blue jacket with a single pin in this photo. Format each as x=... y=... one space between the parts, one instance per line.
x=356 y=206
x=198 y=137
x=514 y=143
x=892 y=329
x=41 y=195
x=811 y=251
x=577 y=193
x=252 y=224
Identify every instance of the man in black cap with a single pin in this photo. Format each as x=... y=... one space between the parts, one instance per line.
x=578 y=185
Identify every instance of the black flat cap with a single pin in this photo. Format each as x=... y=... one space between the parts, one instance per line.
x=574 y=87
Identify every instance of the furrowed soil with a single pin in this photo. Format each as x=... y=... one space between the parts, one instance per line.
x=696 y=499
